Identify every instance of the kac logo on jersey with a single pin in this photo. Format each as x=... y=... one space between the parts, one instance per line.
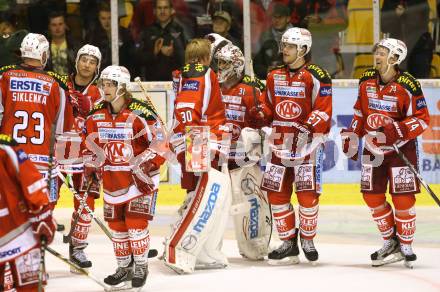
x=288 y=109
x=191 y=85
x=118 y=152
x=375 y=121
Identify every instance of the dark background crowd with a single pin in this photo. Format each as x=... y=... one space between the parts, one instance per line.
x=153 y=33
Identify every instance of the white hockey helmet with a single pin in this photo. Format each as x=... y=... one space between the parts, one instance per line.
x=299 y=37
x=234 y=58
x=395 y=47
x=91 y=51
x=116 y=73
x=34 y=46
x=217 y=42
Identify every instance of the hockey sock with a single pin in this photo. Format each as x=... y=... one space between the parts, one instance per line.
x=81 y=231
x=139 y=237
x=284 y=217
x=382 y=214
x=308 y=214
x=121 y=243
x=405 y=217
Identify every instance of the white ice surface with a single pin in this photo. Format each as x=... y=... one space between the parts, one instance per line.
x=345 y=240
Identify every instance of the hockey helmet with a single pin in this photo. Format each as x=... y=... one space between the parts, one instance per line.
x=217 y=42
x=299 y=37
x=395 y=47
x=34 y=46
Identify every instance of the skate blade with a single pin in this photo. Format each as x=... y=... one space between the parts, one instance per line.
x=124 y=286
x=212 y=266
x=409 y=264
x=292 y=260
x=392 y=258
x=313 y=263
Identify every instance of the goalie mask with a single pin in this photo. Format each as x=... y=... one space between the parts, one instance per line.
x=34 y=46
x=119 y=75
x=230 y=62
x=217 y=42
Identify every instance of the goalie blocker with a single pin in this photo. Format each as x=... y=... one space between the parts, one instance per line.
x=197 y=235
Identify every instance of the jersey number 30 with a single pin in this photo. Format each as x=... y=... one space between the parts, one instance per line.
x=38 y=117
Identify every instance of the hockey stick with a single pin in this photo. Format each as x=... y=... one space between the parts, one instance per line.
x=155 y=114
x=81 y=270
x=42 y=265
x=67 y=238
x=151 y=253
x=417 y=174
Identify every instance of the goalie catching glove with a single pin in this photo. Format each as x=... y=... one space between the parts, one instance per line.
x=145 y=166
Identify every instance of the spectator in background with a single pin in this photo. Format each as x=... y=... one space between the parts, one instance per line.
x=162 y=45
x=221 y=24
x=100 y=36
x=408 y=21
x=10 y=39
x=62 y=47
x=268 y=57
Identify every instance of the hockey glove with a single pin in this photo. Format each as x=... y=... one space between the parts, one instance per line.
x=259 y=116
x=80 y=103
x=393 y=132
x=145 y=166
x=92 y=174
x=350 y=144
x=43 y=224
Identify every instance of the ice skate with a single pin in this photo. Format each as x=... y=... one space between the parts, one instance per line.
x=121 y=279
x=388 y=254
x=408 y=255
x=139 y=276
x=286 y=254
x=78 y=256
x=309 y=250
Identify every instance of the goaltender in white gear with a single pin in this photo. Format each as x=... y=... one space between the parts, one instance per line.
x=197 y=235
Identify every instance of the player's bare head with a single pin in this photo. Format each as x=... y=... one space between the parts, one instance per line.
x=35 y=47
x=113 y=83
x=388 y=52
x=198 y=51
x=230 y=63
x=295 y=45
x=88 y=61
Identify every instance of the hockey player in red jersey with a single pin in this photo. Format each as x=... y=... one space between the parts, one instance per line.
x=390 y=109
x=34 y=107
x=300 y=94
x=200 y=144
x=118 y=136
x=25 y=217
x=84 y=94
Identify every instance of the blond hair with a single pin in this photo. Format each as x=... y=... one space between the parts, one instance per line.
x=197 y=50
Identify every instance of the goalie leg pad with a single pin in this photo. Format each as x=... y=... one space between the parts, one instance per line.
x=284 y=217
x=251 y=212
x=198 y=222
